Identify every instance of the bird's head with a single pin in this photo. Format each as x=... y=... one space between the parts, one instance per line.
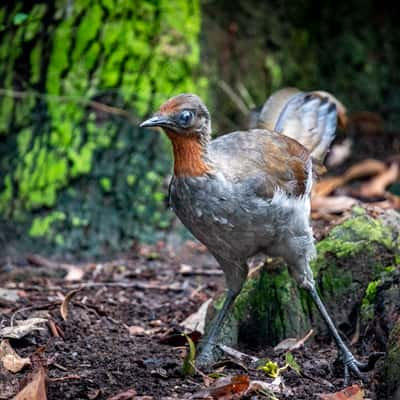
x=184 y=115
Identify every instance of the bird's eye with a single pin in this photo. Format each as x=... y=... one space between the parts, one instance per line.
x=185 y=118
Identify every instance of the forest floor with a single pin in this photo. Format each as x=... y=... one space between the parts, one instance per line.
x=119 y=334
x=112 y=330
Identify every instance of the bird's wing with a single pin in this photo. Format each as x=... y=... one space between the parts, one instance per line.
x=264 y=161
x=307 y=117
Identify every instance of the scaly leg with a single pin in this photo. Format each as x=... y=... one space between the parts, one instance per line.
x=208 y=354
x=235 y=271
x=351 y=365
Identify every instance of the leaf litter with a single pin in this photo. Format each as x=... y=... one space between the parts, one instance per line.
x=97 y=357
x=35 y=389
x=10 y=359
x=23 y=328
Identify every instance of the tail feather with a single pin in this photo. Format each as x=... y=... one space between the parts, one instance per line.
x=310 y=118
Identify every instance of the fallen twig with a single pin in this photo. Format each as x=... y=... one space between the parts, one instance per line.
x=61 y=367
x=63 y=378
x=89 y=285
x=238 y=356
x=188 y=270
x=53 y=328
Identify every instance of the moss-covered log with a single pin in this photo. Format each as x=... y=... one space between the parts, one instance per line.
x=351 y=262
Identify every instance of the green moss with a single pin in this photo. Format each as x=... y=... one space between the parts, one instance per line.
x=370 y=293
x=368 y=302
x=391 y=366
x=273 y=304
x=87 y=30
x=43 y=226
x=242 y=303
x=105 y=184
x=6 y=195
x=357 y=234
x=131 y=56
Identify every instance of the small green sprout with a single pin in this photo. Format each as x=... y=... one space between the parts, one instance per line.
x=271 y=368
x=188 y=367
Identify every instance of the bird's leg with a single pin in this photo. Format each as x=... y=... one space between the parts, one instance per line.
x=351 y=365
x=208 y=350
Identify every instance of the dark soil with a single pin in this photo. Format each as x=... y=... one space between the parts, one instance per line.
x=113 y=337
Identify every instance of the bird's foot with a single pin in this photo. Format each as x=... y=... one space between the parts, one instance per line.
x=208 y=356
x=354 y=367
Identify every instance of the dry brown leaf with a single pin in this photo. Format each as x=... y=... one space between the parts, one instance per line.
x=368 y=167
x=276 y=386
x=65 y=302
x=22 y=328
x=332 y=204
x=292 y=343
x=197 y=320
x=384 y=204
x=285 y=344
x=339 y=153
x=377 y=186
x=327 y=185
x=136 y=330
x=226 y=388
x=10 y=295
x=354 y=392
x=74 y=273
x=129 y=394
x=393 y=199
x=35 y=389
x=10 y=359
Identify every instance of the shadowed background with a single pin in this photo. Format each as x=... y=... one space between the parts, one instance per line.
x=77 y=175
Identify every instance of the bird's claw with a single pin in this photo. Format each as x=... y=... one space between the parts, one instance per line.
x=351 y=366
x=355 y=367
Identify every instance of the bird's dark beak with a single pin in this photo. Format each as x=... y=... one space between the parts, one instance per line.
x=157 y=120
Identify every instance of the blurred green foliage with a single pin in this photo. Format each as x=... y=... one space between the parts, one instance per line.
x=76 y=175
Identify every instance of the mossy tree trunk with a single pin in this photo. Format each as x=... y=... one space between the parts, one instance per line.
x=73 y=174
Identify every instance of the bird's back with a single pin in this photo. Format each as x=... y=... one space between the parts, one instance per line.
x=265 y=160
x=256 y=192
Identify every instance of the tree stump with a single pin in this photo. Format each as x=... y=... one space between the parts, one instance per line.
x=383 y=333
